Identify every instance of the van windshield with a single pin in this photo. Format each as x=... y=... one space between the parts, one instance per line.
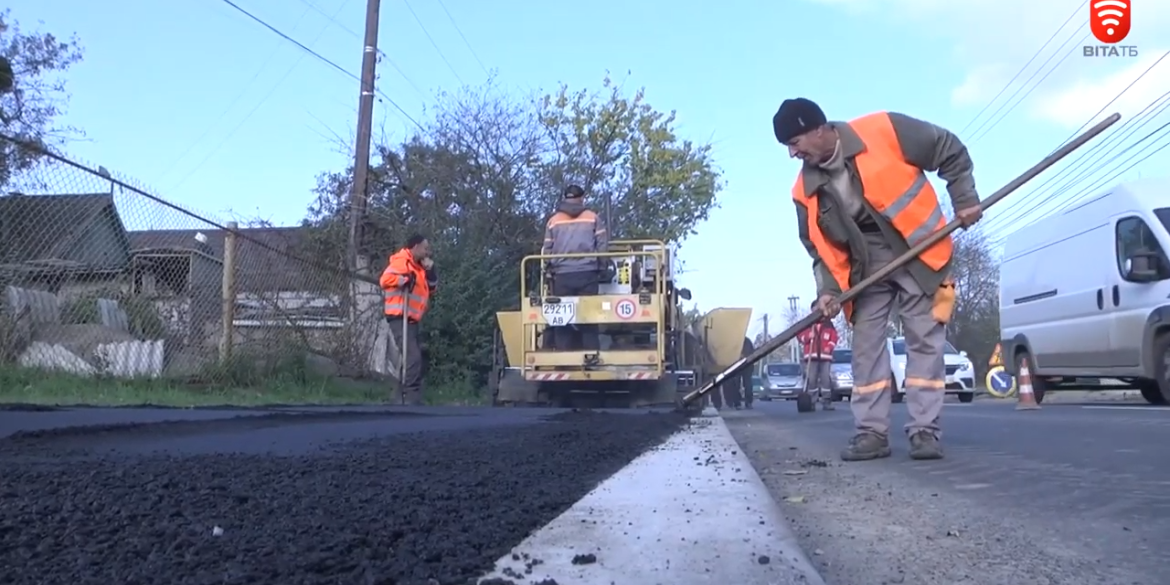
x=842 y=356
x=780 y=370
x=1163 y=214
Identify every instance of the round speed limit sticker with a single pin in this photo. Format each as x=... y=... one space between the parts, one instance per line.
x=625 y=309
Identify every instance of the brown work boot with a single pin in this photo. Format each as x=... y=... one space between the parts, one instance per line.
x=924 y=445
x=865 y=446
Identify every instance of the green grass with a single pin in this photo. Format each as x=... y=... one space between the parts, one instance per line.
x=30 y=386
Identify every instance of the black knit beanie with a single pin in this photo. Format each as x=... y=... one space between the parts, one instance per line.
x=795 y=117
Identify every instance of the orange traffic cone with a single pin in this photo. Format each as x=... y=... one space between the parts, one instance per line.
x=1027 y=399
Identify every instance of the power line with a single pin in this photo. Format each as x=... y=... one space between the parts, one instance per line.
x=467 y=43
x=256 y=108
x=323 y=59
x=994 y=121
x=432 y=40
x=333 y=18
x=1075 y=11
x=243 y=91
x=1015 y=213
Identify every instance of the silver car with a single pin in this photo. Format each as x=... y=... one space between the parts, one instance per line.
x=782 y=381
x=842 y=370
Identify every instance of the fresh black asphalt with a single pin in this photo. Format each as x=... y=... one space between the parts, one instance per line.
x=293 y=496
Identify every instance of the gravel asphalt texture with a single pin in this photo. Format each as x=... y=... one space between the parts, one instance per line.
x=1068 y=495
x=308 y=496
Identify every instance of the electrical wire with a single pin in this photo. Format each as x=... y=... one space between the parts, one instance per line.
x=993 y=121
x=432 y=40
x=256 y=108
x=1012 y=215
x=1077 y=10
x=381 y=54
x=467 y=43
x=239 y=96
x=323 y=59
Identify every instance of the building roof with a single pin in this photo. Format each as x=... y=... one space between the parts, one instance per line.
x=268 y=259
x=44 y=228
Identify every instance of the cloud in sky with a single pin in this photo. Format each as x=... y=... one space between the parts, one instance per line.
x=992 y=39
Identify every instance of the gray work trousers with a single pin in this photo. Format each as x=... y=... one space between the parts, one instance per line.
x=410 y=384
x=873 y=376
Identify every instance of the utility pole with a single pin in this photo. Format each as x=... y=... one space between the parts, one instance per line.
x=365 y=123
x=767 y=336
x=793 y=302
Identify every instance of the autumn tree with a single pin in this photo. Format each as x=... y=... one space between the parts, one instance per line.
x=31 y=108
x=974 y=326
x=482 y=175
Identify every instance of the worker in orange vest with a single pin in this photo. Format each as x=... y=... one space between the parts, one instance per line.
x=408 y=281
x=862 y=199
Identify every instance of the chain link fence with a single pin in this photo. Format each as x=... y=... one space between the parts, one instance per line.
x=104 y=283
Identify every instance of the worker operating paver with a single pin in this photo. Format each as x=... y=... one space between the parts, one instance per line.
x=862 y=199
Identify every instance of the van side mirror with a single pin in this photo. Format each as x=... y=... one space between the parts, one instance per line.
x=684 y=294
x=1143 y=266
x=963 y=353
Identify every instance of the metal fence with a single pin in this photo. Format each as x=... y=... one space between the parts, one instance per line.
x=104 y=280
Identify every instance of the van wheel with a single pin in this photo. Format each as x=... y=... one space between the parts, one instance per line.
x=1161 y=368
x=1039 y=385
x=966 y=397
x=1151 y=392
x=897 y=396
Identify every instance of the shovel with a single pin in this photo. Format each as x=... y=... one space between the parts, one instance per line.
x=787 y=335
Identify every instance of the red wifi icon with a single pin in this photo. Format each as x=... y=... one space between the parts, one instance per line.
x=1109 y=20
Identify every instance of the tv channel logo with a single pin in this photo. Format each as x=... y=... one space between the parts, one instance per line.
x=1109 y=21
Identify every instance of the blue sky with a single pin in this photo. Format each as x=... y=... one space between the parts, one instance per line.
x=212 y=111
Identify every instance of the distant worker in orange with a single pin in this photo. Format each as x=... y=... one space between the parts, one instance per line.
x=574 y=229
x=863 y=199
x=408 y=281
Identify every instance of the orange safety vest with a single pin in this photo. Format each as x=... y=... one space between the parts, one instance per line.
x=394 y=280
x=896 y=189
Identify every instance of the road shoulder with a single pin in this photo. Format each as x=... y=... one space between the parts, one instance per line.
x=692 y=511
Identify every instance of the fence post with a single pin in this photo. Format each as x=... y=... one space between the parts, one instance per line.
x=229 y=292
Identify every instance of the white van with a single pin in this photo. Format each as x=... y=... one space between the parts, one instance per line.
x=1085 y=293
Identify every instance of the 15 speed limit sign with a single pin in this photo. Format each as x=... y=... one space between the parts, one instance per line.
x=625 y=309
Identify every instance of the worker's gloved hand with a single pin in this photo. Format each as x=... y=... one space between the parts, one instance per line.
x=828 y=306
x=411 y=279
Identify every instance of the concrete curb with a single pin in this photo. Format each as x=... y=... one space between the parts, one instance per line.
x=691 y=512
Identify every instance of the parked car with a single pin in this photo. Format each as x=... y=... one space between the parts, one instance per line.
x=960 y=371
x=782 y=381
x=842 y=370
x=1084 y=293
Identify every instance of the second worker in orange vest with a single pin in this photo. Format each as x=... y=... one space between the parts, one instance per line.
x=862 y=199
x=407 y=283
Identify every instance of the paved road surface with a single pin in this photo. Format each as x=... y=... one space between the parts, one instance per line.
x=1068 y=495
x=290 y=498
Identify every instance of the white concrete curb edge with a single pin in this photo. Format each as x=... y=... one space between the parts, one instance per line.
x=692 y=511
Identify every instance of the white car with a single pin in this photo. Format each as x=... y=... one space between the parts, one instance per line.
x=960 y=371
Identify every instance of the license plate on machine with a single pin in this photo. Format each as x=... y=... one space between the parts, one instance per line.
x=560 y=313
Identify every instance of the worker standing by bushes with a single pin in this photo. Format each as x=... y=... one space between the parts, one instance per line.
x=408 y=281
x=862 y=199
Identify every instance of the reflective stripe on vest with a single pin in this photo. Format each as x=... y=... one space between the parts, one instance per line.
x=898 y=191
x=397 y=298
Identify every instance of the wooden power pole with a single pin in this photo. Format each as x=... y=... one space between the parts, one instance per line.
x=365 y=123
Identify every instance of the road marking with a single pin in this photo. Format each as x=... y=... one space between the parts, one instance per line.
x=972 y=486
x=1144 y=408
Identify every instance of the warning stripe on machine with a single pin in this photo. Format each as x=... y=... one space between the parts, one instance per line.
x=640 y=375
x=547 y=376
